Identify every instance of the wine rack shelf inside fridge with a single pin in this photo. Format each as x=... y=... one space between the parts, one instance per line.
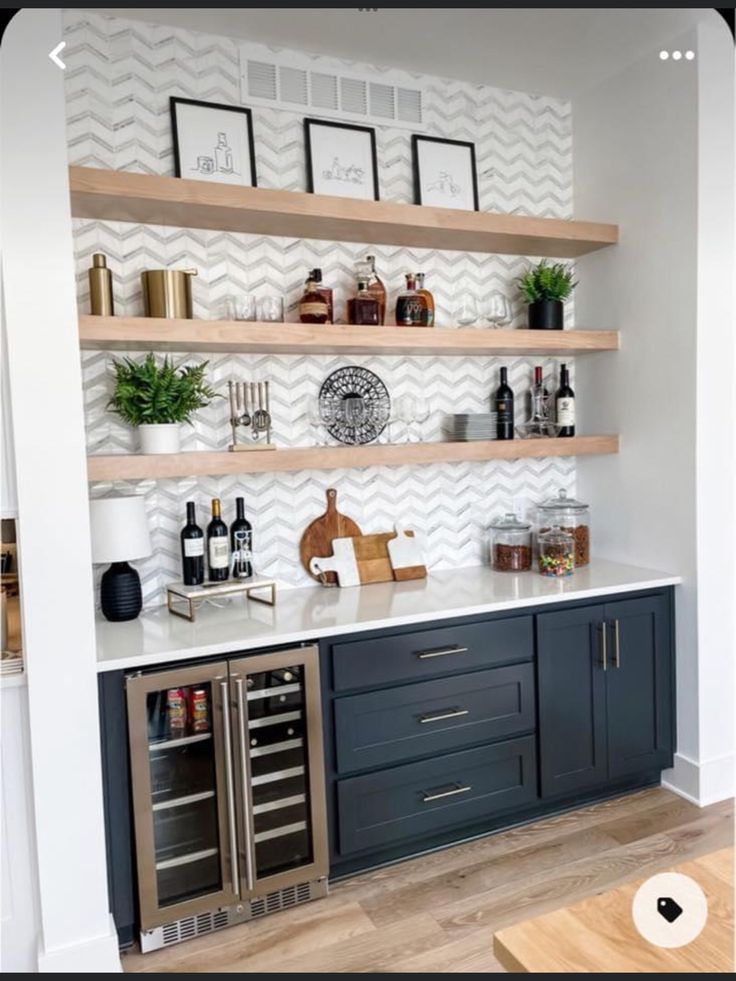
x=228 y=792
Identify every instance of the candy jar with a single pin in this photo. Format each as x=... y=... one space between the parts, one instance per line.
x=556 y=552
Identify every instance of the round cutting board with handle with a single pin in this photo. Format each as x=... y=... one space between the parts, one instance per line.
x=318 y=536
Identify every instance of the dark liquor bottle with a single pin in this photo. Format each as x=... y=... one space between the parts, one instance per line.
x=326 y=291
x=503 y=406
x=241 y=538
x=565 y=404
x=364 y=308
x=218 y=547
x=411 y=306
x=192 y=549
x=313 y=307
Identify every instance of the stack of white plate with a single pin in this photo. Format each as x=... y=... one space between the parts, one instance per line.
x=468 y=426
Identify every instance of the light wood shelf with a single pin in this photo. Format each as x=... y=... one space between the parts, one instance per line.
x=146 y=199
x=196 y=464
x=151 y=334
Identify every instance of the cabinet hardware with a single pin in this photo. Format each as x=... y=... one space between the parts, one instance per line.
x=229 y=786
x=441 y=652
x=243 y=746
x=617 y=640
x=604 y=645
x=446 y=793
x=441 y=716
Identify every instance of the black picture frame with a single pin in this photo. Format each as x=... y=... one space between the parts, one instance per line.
x=309 y=123
x=416 y=139
x=175 y=101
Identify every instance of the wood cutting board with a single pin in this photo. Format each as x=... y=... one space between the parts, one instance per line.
x=318 y=536
x=374 y=561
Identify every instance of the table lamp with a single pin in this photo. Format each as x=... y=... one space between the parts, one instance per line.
x=119 y=535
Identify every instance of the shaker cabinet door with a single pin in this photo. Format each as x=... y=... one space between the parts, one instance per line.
x=571 y=682
x=639 y=686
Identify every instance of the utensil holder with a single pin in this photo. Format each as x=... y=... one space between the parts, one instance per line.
x=250 y=415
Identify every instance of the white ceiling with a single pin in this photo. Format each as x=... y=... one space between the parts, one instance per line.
x=551 y=51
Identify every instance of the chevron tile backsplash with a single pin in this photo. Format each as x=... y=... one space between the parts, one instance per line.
x=119 y=78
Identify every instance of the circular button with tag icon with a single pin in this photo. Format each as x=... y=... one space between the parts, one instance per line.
x=670 y=910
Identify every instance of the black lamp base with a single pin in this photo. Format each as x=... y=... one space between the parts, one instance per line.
x=120 y=593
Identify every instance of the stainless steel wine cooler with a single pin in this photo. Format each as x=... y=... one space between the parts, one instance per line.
x=228 y=792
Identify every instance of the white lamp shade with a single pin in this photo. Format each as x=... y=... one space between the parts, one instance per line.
x=119 y=529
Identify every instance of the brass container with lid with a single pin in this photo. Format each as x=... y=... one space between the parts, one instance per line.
x=168 y=292
x=100 y=287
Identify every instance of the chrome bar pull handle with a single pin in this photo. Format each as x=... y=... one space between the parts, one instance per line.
x=441 y=716
x=441 y=652
x=232 y=829
x=617 y=643
x=604 y=645
x=243 y=745
x=459 y=789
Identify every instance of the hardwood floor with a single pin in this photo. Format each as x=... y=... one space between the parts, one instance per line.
x=438 y=913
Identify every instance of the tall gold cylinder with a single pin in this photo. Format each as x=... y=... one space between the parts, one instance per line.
x=100 y=287
x=168 y=292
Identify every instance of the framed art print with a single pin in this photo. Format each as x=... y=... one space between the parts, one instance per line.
x=341 y=159
x=213 y=142
x=445 y=175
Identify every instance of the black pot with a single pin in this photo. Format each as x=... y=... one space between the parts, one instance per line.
x=546 y=315
x=120 y=593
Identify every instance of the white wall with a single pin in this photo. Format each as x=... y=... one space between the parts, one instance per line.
x=638 y=162
x=75 y=930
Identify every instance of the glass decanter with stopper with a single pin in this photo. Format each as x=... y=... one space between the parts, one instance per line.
x=364 y=308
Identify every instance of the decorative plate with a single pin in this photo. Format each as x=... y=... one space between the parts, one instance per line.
x=355 y=405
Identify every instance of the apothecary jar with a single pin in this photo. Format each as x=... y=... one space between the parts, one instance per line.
x=511 y=544
x=571 y=516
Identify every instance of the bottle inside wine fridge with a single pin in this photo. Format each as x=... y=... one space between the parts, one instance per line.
x=192 y=549
x=503 y=406
x=565 y=404
x=218 y=548
x=241 y=542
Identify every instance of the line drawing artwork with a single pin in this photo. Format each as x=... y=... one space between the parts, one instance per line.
x=220 y=161
x=445 y=184
x=350 y=174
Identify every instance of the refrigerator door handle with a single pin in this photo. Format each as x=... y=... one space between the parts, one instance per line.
x=243 y=746
x=232 y=827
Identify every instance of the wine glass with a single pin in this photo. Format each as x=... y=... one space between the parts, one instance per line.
x=421 y=416
x=498 y=310
x=406 y=411
x=354 y=412
x=466 y=311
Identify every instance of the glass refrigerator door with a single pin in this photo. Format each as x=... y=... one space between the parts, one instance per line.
x=183 y=794
x=279 y=757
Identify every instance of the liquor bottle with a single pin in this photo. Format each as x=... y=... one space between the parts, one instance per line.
x=538 y=397
x=192 y=549
x=503 y=406
x=223 y=155
x=565 y=404
x=364 y=308
x=411 y=306
x=313 y=307
x=326 y=291
x=218 y=548
x=376 y=288
x=428 y=297
x=241 y=524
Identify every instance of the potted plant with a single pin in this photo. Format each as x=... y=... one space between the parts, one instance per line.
x=156 y=398
x=545 y=288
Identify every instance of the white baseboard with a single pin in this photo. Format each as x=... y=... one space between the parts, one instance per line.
x=98 y=956
x=702 y=783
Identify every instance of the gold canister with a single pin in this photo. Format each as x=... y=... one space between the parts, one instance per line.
x=100 y=287
x=168 y=292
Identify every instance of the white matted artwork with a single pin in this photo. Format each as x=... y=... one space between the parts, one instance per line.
x=341 y=159
x=445 y=175
x=213 y=142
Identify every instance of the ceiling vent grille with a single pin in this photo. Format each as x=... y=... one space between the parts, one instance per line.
x=292 y=81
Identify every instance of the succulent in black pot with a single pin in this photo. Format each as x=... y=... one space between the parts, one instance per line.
x=545 y=287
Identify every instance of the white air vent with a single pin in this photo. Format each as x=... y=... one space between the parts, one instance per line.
x=292 y=81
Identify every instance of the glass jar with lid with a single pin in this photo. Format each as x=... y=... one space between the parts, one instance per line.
x=511 y=544
x=571 y=516
x=556 y=552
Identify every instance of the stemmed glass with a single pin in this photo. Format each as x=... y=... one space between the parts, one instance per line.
x=421 y=415
x=406 y=412
x=498 y=310
x=354 y=412
x=320 y=415
x=466 y=311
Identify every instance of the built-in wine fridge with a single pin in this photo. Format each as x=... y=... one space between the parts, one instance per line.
x=228 y=792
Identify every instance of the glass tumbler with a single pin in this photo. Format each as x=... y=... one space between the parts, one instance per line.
x=271 y=309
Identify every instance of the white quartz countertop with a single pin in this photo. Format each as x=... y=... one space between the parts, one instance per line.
x=316 y=612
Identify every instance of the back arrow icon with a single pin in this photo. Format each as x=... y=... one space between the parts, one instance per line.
x=54 y=55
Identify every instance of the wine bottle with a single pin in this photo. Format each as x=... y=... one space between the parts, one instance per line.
x=218 y=547
x=539 y=395
x=192 y=549
x=503 y=406
x=565 y=404
x=241 y=524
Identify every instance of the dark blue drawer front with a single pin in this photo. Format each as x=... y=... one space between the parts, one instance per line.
x=391 y=726
x=412 y=801
x=423 y=654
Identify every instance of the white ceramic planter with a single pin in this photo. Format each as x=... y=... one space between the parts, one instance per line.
x=159 y=438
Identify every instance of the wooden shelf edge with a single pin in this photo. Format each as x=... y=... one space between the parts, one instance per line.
x=151 y=199
x=203 y=463
x=153 y=334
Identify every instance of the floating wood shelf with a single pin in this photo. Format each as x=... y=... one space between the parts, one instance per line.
x=158 y=467
x=145 y=199
x=149 y=334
